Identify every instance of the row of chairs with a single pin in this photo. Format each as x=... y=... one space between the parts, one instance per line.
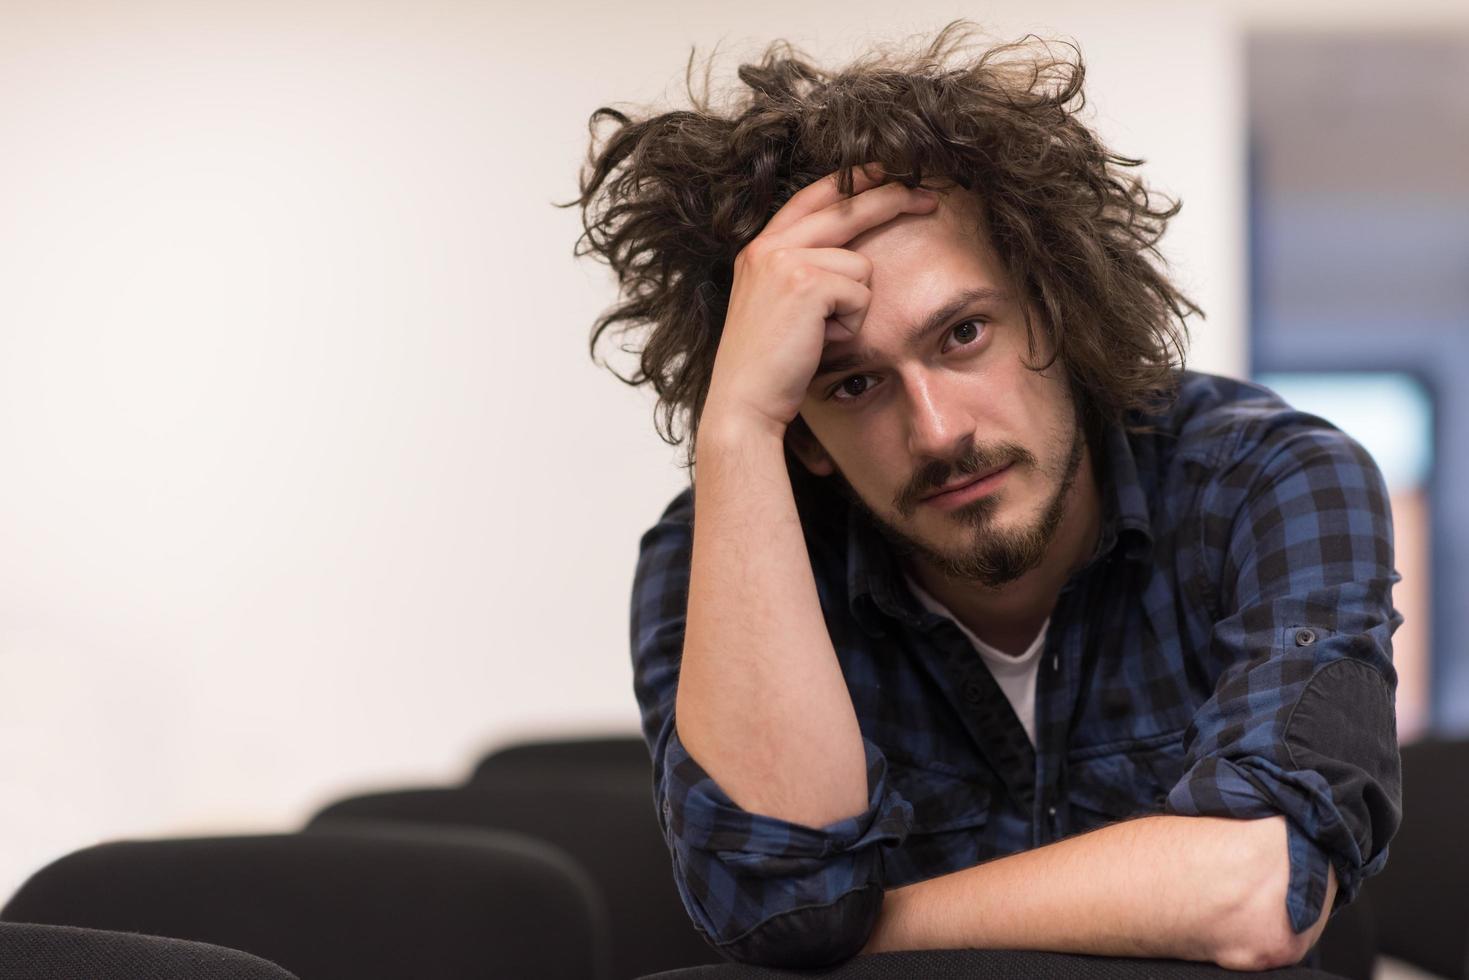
x=547 y=862
x=36 y=952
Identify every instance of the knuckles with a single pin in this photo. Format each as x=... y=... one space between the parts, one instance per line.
x=782 y=263
x=797 y=275
x=755 y=254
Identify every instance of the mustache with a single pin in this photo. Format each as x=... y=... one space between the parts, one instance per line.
x=977 y=459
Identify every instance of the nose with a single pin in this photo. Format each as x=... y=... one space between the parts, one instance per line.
x=939 y=423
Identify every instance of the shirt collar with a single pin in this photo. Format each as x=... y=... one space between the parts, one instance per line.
x=874 y=579
x=1127 y=466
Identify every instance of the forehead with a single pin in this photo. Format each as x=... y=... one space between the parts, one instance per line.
x=919 y=260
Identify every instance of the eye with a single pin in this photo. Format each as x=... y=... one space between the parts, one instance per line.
x=845 y=387
x=968 y=332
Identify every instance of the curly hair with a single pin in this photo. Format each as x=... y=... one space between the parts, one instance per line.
x=669 y=199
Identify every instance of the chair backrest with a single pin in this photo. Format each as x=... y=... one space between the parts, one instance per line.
x=1421 y=899
x=337 y=906
x=592 y=797
x=1348 y=945
x=38 y=952
x=572 y=756
x=990 y=964
x=603 y=821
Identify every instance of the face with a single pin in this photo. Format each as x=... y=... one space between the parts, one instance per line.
x=935 y=392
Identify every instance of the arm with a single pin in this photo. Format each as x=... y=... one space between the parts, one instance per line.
x=762 y=703
x=761 y=699
x=1192 y=888
x=1297 y=741
x=758 y=887
x=772 y=803
x=1298 y=539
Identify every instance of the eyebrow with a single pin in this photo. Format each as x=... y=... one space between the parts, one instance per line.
x=843 y=362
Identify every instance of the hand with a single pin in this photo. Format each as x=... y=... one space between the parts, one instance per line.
x=794 y=290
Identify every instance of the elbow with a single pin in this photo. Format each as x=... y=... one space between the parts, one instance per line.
x=1274 y=947
x=1277 y=944
x=1256 y=931
x=1259 y=936
x=1254 y=954
x=811 y=936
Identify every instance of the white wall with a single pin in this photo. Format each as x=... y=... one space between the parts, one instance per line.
x=309 y=485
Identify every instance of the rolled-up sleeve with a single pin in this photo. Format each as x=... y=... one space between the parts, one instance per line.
x=1302 y=719
x=760 y=889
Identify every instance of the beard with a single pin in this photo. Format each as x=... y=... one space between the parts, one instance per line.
x=994 y=556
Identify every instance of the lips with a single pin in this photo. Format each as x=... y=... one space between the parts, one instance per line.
x=965 y=481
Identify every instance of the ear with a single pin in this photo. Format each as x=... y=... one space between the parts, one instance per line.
x=806 y=448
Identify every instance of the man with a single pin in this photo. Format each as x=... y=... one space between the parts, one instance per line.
x=982 y=624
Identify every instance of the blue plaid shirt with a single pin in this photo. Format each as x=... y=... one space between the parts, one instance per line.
x=1226 y=652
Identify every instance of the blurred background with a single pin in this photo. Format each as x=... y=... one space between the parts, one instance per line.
x=309 y=485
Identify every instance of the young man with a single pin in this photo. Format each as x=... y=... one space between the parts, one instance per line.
x=983 y=624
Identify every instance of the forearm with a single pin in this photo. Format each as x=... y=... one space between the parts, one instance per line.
x=1193 y=888
x=762 y=704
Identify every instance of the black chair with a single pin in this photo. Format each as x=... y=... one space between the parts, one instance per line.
x=36 y=952
x=592 y=799
x=1348 y=945
x=973 y=964
x=571 y=757
x=460 y=906
x=1421 y=899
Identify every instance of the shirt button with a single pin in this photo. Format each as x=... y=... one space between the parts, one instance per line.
x=1305 y=638
x=973 y=692
x=1051 y=812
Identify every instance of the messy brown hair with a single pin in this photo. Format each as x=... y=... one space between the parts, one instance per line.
x=670 y=198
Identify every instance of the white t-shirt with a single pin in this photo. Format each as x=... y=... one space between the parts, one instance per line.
x=1015 y=675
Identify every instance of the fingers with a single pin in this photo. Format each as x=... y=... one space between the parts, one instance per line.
x=837 y=332
x=838 y=277
x=849 y=300
x=840 y=222
x=821 y=193
x=842 y=261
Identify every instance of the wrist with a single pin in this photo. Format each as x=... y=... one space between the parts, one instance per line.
x=722 y=425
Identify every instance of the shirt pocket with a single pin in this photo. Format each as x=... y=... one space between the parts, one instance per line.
x=951 y=809
x=1114 y=782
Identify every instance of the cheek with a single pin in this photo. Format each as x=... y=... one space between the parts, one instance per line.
x=1046 y=401
x=874 y=471
x=862 y=440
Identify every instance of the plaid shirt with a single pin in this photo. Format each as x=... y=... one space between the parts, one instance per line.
x=1226 y=652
